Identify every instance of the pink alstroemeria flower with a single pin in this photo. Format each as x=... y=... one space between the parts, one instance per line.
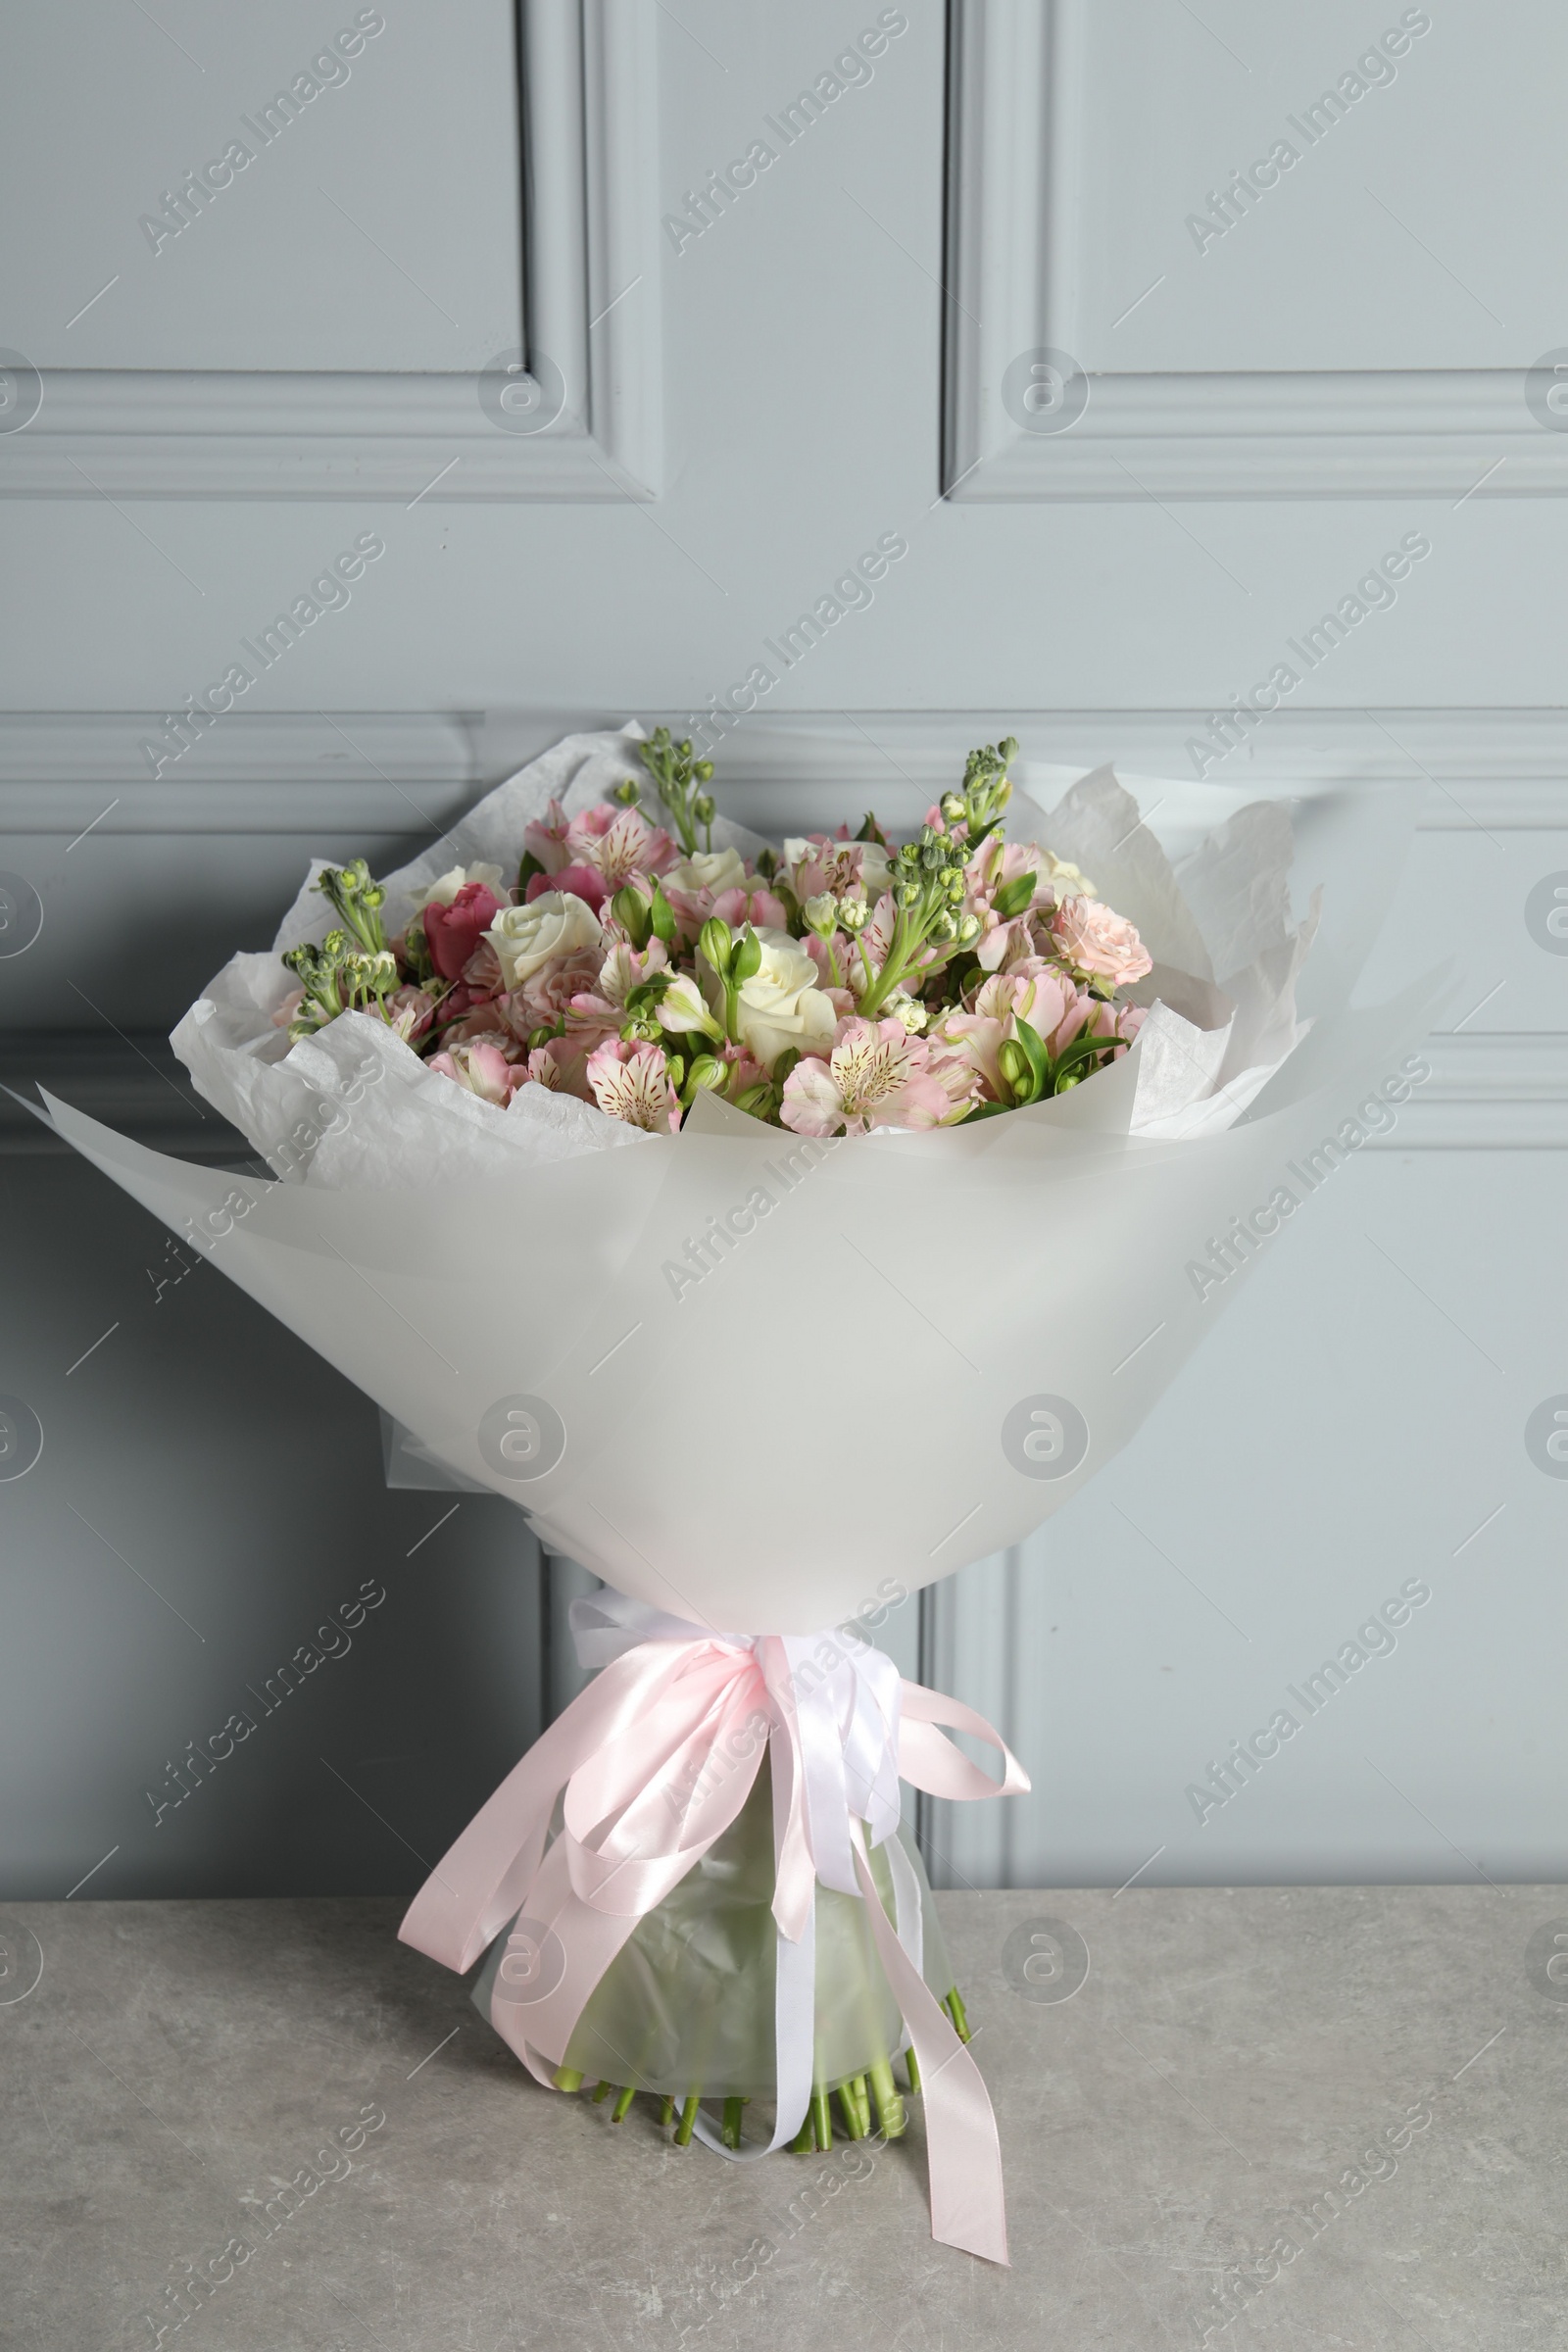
x=483 y=1070
x=620 y=845
x=877 y=1075
x=630 y=1082
x=583 y=881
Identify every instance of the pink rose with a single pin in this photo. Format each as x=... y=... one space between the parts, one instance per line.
x=1093 y=938
x=453 y=932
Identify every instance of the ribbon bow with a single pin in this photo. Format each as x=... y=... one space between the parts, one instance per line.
x=652 y=1763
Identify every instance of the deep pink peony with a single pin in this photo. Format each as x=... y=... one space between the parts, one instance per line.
x=453 y=932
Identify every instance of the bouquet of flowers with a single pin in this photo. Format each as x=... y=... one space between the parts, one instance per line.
x=781 y=1227
x=841 y=987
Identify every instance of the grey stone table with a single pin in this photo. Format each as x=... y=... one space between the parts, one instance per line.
x=1288 y=2117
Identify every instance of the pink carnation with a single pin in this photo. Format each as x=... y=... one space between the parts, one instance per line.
x=549 y=992
x=409 y=1011
x=1093 y=938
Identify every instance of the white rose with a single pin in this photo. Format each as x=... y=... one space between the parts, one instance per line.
x=710 y=869
x=445 y=888
x=781 y=1006
x=556 y=923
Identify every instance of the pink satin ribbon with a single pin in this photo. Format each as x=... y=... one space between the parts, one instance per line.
x=652 y=1761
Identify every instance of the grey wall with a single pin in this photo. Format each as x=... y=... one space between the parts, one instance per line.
x=740 y=418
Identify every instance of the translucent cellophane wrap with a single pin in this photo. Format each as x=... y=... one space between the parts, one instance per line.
x=687 y=2006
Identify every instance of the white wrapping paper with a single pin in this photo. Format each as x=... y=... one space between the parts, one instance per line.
x=750 y=1378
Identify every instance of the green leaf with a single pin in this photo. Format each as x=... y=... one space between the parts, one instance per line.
x=1015 y=896
x=1034 y=1045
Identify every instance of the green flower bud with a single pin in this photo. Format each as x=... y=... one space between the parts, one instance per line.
x=632 y=913
x=907 y=895
x=953 y=807
x=968 y=930
x=747 y=958
x=852 y=916
x=704 y=808
x=822 y=914
x=714 y=942
x=703 y=771
x=1013 y=1063
x=627 y=793
x=706 y=1074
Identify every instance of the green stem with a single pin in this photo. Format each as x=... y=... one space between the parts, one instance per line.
x=953 y=2005
x=730 y=2128
x=602 y=2091
x=890 y=2114
x=856 y=2107
x=822 y=2118
x=666 y=2109
x=805 y=2139
x=688 y=2117
x=567 y=2077
x=622 y=2105
x=914 y=2065
x=888 y=978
